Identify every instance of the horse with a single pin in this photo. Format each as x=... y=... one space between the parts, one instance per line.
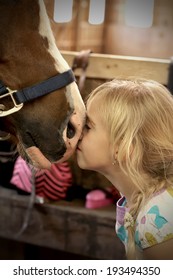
x=41 y=108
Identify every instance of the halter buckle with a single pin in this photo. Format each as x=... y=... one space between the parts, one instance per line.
x=16 y=107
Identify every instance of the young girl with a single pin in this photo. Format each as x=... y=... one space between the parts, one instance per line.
x=128 y=138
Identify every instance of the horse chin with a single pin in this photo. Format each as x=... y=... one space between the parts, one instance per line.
x=37 y=159
x=29 y=149
x=33 y=156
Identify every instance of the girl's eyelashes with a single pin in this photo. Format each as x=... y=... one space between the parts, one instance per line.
x=87 y=126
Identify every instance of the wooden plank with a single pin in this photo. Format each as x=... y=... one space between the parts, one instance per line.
x=65 y=226
x=111 y=66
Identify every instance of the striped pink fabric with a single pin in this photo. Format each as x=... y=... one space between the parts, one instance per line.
x=21 y=177
x=52 y=184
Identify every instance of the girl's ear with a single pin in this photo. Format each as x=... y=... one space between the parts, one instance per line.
x=124 y=154
x=115 y=155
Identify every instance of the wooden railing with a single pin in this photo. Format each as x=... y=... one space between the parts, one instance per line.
x=106 y=66
x=65 y=226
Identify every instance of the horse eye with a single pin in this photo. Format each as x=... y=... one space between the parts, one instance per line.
x=70 y=130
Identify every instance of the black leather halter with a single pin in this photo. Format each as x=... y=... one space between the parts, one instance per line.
x=30 y=93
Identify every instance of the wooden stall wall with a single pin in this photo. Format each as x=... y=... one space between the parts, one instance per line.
x=77 y=34
x=113 y=36
x=155 y=41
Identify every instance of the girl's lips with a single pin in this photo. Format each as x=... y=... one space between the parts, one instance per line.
x=78 y=149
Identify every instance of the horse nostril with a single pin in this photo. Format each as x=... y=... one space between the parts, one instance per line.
x=70 y=130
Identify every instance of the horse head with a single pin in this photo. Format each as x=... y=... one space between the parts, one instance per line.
x=40 y=104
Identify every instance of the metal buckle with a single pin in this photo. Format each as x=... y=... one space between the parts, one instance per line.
x=16 y=107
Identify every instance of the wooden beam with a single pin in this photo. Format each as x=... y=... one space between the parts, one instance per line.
x=62 y=225
x=106 y=66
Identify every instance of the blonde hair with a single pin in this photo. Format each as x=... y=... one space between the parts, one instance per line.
x=138 y=114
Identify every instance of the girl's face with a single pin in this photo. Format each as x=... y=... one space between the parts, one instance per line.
x=94 y=152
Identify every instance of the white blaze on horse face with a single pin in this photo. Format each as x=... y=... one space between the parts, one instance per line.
x=45 y=31
x=77 y=120
x=72 y=93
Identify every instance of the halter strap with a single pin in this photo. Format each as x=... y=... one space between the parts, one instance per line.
x=27 y=94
